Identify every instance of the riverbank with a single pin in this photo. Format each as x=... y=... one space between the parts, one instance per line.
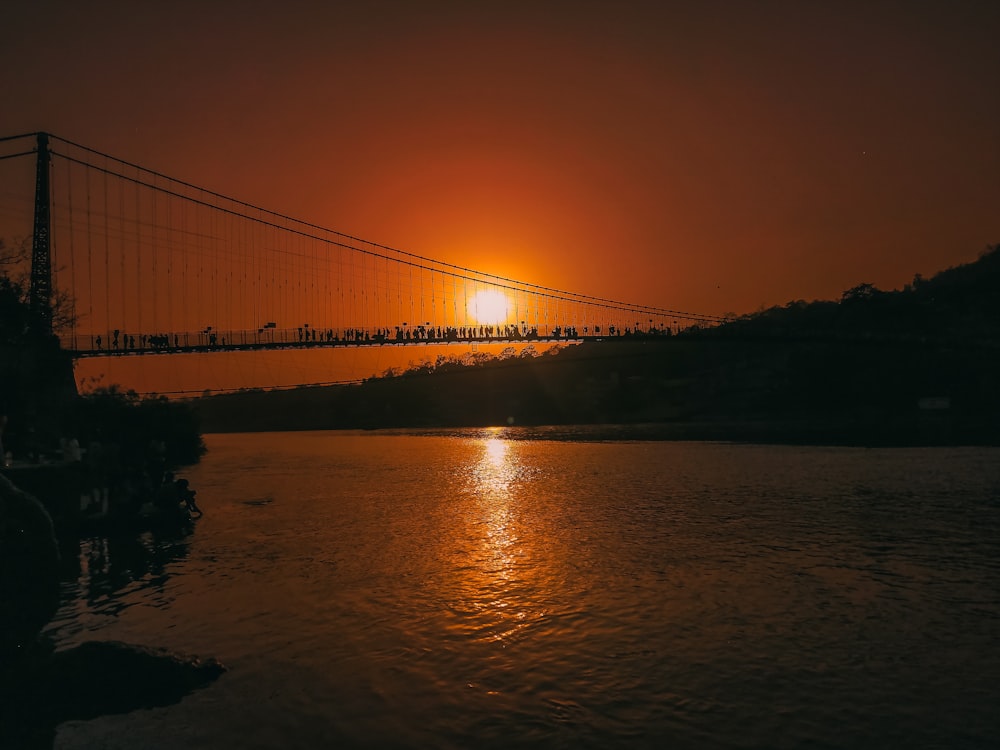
x=685 y=388
x=919 y=432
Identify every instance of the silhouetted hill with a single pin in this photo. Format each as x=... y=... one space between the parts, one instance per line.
x=960 y=304
x=916 y=366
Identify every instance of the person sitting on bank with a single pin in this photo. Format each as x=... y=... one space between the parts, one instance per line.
x=186 y=495
x=176 y=496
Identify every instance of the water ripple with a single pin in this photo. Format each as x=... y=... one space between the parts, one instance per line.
x=497 y=588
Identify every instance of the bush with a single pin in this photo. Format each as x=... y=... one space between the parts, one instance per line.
x=109 y=415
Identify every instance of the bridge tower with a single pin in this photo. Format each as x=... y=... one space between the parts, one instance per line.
x=40 y=293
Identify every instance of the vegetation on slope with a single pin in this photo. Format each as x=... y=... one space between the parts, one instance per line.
x=915 y=365
x=38 y=399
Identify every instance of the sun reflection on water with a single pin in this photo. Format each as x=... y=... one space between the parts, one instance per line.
x=494 y=477
x=497 y=467
x=498 y=585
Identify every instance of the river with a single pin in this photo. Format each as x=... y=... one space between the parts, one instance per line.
x=525 y=588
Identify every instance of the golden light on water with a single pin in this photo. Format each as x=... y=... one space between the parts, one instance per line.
x=493 y=584
x=503 y=572
x=497 y=471
x=496 y=451
x=489 y=307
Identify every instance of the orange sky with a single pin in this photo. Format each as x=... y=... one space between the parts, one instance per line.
x=708 y=156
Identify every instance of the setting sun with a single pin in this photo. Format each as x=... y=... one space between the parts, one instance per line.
x=488 y=307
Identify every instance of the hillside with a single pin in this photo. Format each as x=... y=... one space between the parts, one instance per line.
x=915 y=366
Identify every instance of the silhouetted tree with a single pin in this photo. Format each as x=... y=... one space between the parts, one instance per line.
x=15 y=278
x=38 y=390
x=861 y=292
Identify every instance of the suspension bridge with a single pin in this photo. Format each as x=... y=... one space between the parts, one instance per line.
x=126 y=261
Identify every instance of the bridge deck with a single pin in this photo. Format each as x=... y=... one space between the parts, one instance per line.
x=240 y=346
x=127 y=344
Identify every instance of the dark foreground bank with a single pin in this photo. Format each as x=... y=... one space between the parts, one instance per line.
x=41 y=687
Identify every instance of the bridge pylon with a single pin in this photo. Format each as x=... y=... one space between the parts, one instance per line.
x=40 y=292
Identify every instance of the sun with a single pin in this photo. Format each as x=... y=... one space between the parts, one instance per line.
x=488 y=307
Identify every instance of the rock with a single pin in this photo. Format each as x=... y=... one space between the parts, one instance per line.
x=29 y=571
x=90 y=680
x=41 y=688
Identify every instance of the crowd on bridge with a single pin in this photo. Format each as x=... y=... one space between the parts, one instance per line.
x=123 y=342
x=427 y=333
x=403 y=334
x=119 y=342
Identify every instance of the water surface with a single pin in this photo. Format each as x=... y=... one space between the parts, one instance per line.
x=476 y=589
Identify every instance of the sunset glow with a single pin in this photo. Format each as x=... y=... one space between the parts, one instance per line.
x=489 y=307
x=660 y=154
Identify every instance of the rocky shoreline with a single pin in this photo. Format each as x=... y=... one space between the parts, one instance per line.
x=41 y=687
